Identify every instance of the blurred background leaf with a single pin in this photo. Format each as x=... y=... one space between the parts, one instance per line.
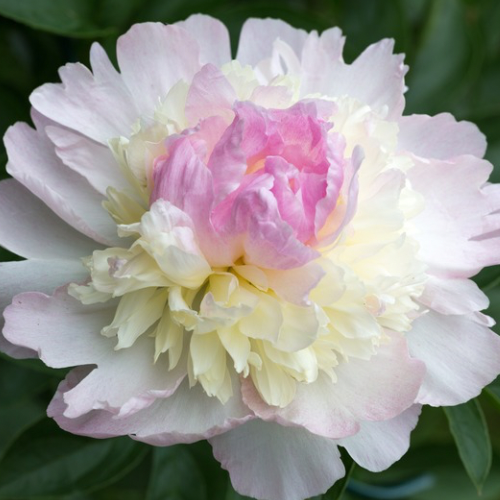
x=44 y=461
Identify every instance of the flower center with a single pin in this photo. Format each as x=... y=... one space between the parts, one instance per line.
x=244 y=255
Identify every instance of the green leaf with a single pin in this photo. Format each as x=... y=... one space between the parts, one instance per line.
x=46 y=461
x=468 y=426
x=338 y=489
x=493 y=390
x=175 y=476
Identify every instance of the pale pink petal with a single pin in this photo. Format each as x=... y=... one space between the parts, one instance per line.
x=375 y=78
x=34 y=275
x=14 y=351
x=33 y=162
x=104 y=387
x=269 y=242
x=440 y=137
x=378 y=445
x=30 y=229
x=258 y=35
x=376 y=389
x=343 y=213
x=453 y=296
x=93 y=161
x=320 y=52
x=97 y=105
x=461 y=357
x=153 y=57
x=187 y=416
x=212 y=37
x=452 y=229
x=268 y=461
x=238 y=149
x=61 y=329
x=182 y=179
x=210 y=94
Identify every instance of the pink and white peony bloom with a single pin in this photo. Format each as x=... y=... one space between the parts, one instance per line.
x=262 y=252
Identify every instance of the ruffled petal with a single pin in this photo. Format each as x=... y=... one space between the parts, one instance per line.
x=266 y=460
x=378 y=445
x=33 y=162
x=97 y=105
x=268 y=241
x=104 y=387
x=461 y=357
x=440 y=137
x=375 y=78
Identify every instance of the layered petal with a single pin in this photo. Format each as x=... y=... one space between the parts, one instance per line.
x=376 y=389
x=33 y=162
x=187 y=416
x=98 y=105
x=93 y=161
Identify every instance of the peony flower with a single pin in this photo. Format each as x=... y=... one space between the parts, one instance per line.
x=262 y=252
